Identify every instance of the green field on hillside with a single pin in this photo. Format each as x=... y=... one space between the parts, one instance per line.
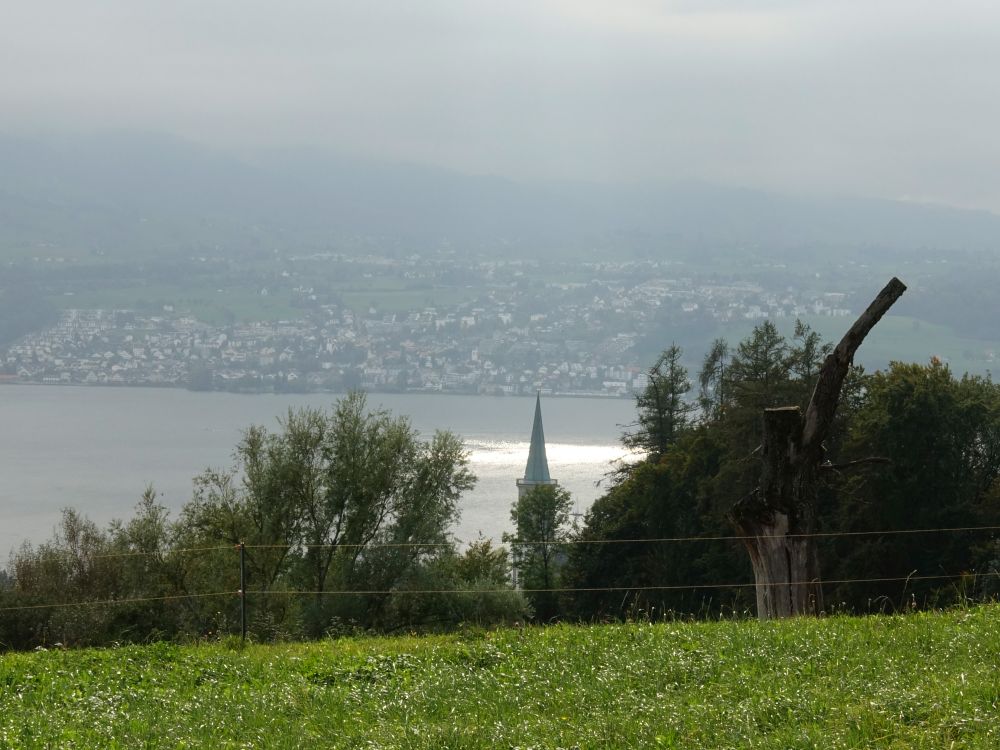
x=404 y=300
x=928 y=680
x=219 y=306
x=215 y=306
x=896 y=337
x=390 y=294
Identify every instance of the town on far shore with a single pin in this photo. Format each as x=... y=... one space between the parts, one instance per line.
x=418 y=324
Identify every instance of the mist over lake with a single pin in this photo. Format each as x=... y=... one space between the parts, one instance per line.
x=96 y=449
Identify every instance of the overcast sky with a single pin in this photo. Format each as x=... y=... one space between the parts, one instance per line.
x=899 y=98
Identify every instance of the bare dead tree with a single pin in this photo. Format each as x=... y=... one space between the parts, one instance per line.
x=780 y=515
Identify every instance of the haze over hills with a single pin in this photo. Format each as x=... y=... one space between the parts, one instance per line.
x=129 y=193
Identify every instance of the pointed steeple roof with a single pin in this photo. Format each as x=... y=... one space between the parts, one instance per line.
x=537 y=469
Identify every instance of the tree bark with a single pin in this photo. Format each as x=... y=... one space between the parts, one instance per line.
x=779 y=516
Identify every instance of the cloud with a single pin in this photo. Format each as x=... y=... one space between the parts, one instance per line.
x=884 y=98
x=701 y=22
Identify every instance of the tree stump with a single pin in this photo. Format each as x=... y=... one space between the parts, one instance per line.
x=779 y=517
x=785 y=565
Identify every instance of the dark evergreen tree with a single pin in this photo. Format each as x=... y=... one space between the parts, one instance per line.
x=663 y=411
x=710 y=379
x=658 y=500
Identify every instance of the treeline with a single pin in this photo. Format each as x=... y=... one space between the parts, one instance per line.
x=913 y=447
x=347 y=505
x=346 y=517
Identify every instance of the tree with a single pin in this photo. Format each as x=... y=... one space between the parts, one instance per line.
x=541 y=523
x=690 y=488
x=711 y=377
x=344 y=500
x=758 y=377
x=941 y=436
x=341 y=500
x=262 y=500
x=617 y=572
x=806 y=357
x=365 y=456
x=663 y=412
x=414 y=532
x=932 y=442
x=474 y=587
x=780 y=516
x=83 y=562
x=484 y=562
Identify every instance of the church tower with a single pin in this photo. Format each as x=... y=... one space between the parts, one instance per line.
x=537 y=470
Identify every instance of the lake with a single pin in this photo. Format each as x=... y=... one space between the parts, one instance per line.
x=96 y=449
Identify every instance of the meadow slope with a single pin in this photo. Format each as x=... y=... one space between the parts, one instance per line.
x=928 y=680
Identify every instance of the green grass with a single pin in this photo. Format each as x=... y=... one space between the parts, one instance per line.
x=919 y=681
x=405 y=300
x=216 y=306
x=219 y=306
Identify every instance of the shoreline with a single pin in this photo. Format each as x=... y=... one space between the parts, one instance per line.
x=152 y=386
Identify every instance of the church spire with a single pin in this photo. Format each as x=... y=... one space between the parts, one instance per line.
x=537 y=470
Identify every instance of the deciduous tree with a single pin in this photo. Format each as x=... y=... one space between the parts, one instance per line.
x=541 y=523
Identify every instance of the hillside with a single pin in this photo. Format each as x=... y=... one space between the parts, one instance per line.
x=141 y=194
x=925 y=680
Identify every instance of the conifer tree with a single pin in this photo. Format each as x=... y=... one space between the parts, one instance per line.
x=663 y=411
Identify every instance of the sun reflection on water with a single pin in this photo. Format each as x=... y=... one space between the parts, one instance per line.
x=583 y=470
x=509 y=453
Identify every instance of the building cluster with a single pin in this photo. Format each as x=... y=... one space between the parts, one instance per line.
x=507 y=337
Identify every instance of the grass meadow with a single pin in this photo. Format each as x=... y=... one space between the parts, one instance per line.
x=926 y=680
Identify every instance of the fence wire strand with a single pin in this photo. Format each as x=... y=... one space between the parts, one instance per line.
x=598 y=589
x=649 y=540
x=526 y=543
x=137 y=553
x=116 y=602
x=563 y=590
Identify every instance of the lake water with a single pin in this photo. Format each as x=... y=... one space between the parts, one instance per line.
x=96 y=449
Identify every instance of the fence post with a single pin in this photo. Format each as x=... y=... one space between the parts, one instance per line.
x=243 y=591
x=515 y=559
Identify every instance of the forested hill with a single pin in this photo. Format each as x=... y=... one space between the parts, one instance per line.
x=153 y=194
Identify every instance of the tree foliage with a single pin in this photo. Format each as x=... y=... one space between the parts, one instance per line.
x=664 y=412
x=346 y=502
x=541 y=526
x=941 y=435
x=338 y=504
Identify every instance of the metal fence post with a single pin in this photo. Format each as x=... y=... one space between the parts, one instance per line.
x=243 y=591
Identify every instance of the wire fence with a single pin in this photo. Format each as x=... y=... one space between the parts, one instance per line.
x=591 y=589
x=242 y=593
x=447 y=591
x=530 y=543
x=117 y=602
x=649 y=540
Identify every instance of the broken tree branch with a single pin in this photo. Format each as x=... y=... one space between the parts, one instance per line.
x=823 y=404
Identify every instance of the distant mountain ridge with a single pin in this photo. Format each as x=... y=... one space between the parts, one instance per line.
x=124 y=193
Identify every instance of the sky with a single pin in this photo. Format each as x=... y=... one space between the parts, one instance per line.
x=887 y=98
